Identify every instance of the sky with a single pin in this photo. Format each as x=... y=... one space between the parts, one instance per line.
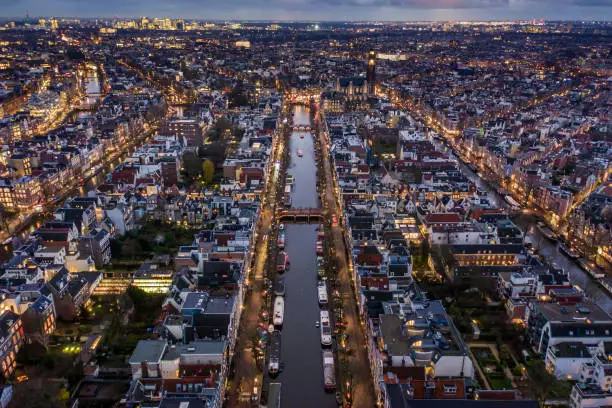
x=324 y=10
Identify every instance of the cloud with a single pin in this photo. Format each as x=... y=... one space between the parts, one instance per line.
x=418 y=4
x=316 y=9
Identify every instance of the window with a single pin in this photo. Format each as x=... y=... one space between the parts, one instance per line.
x=450 y=389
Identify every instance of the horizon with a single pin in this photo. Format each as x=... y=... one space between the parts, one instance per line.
x=296 y=21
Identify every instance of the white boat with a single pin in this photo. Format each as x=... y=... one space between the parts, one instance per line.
x=279 y=311
x=281 y=227
x=300 y=152
x=322 y=293
x=326 y=331
x=512 y=201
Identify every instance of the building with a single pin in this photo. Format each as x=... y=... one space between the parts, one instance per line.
x=189 y=130
x=371 y=72
x=550 y=324
x=97 y=245
x=589 y=396
x=11 y=340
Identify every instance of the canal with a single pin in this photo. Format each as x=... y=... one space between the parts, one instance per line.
x=302 y=376
x=546 y=248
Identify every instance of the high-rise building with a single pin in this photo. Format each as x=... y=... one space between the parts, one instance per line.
x=371 y=72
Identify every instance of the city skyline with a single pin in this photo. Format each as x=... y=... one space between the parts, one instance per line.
x=322 y=10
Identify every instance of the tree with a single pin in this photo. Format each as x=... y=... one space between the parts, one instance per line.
x=3 y=221
x=192 y=165
x=208 y=170
x=214 y=152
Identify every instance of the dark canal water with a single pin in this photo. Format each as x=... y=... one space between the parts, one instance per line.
x=302 y=376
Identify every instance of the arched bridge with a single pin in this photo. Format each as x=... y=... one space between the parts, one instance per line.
x=308 y=215
x=302 y=128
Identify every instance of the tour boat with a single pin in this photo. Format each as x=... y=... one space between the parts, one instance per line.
x=300 y=152
x=275 y=353
x=281 y=227
x=326 y=331
x=279 y=311
x=329 y=372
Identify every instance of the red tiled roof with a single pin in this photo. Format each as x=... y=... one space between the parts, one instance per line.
x=441 y=218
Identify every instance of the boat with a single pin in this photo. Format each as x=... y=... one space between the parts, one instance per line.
x=279 y=287
x=568 y=251
x=301 y=135
x=547 y=232
x=326 y=337
x=322 y=293
x=279 y=311
x=275 y=352
x=288 y=189
x=281 y=227
x=319 y=245
x=512 y=201
x=290 y=179
x=280 y=242
x=320 y=267
x=300 y=152
x=287 y=201
x=329 y=371
x=584 y=265
x=282 y=261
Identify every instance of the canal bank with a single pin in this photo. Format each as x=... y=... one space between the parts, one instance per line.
x=302 y=374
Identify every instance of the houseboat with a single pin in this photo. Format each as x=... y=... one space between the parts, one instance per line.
x=282 y=261
x=280 y=242
x=329 y=371
x=279 y=287
x=275 y=353
x=568 y=251
x=322 y=293
x=326 y=331
x=584 y=265
x=287 y=200
x=319 y=246
x=320 y=267
x=547 y=232
x=279 y=311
